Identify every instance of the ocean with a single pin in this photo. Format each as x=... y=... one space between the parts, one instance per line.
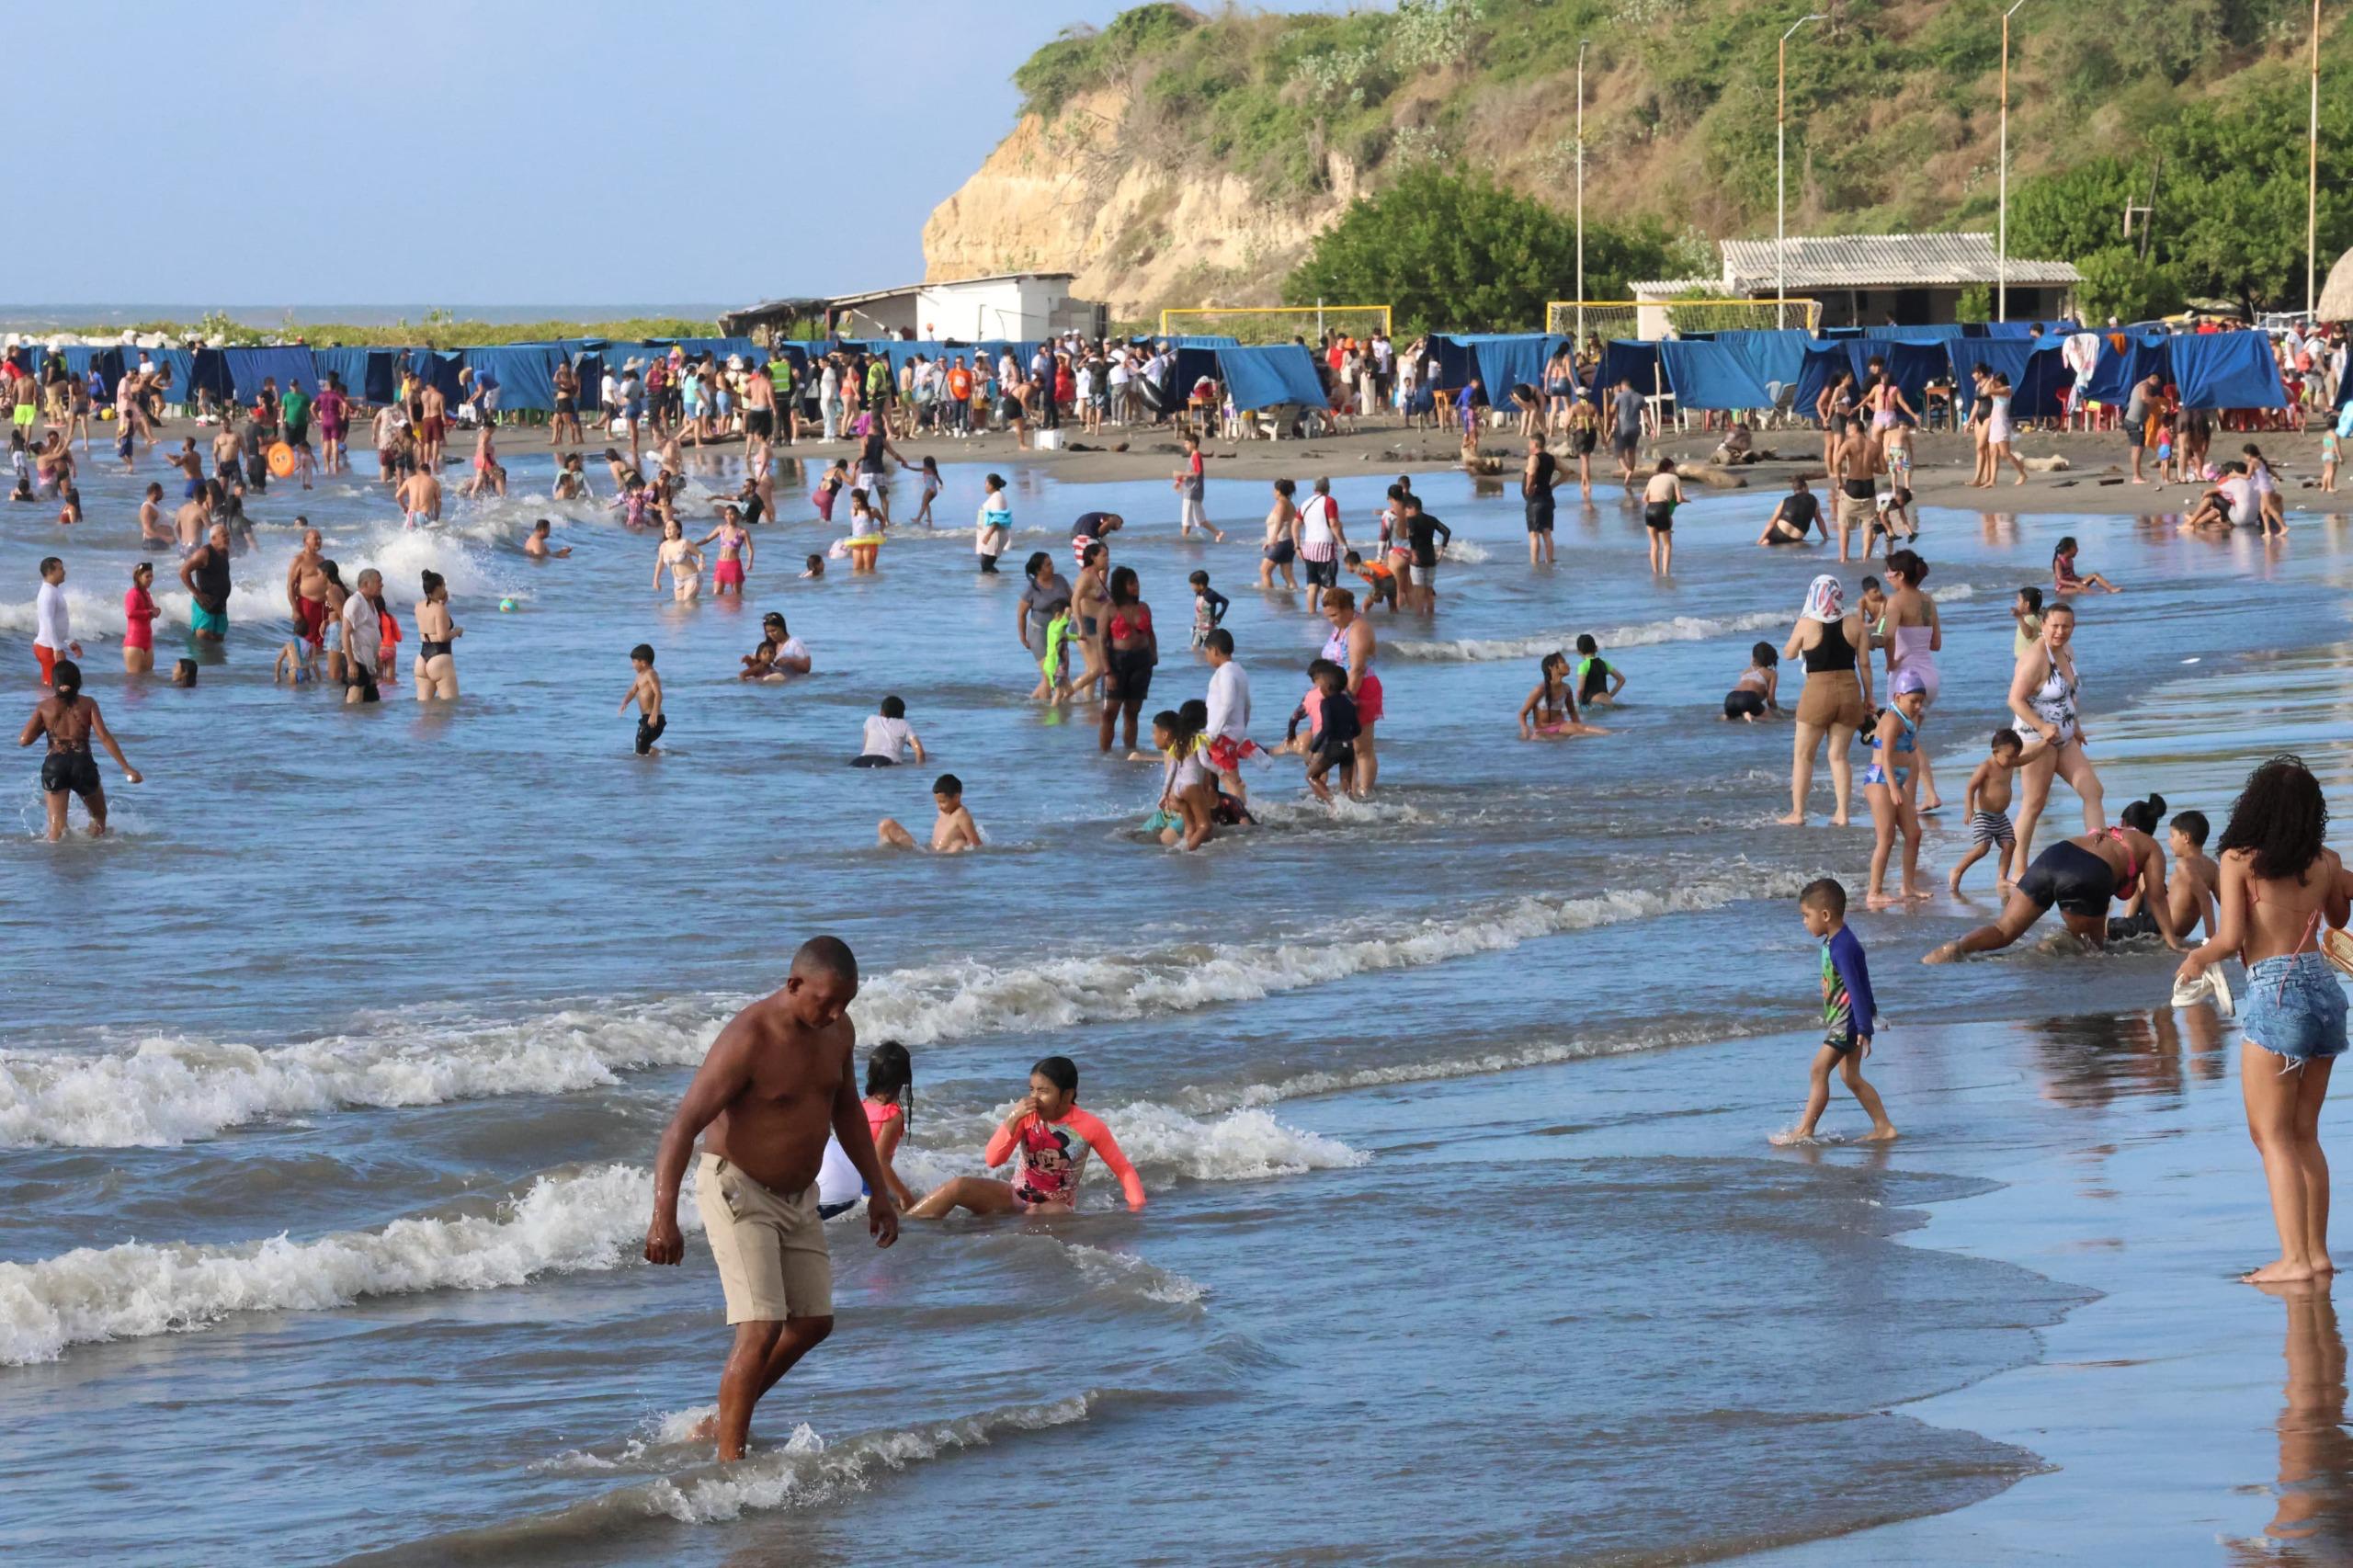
x=332 y=1080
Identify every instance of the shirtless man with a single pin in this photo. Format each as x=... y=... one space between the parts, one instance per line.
x=306 y=588
x=776 y=1081
x=1855 y=464
x=195 y=517
x=190 y=464
x=226 y=444
x=71 y=721
x=420 y=497
x=431 y=432
x=151 y=530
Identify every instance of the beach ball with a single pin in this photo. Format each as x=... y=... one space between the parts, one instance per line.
x=506 y=604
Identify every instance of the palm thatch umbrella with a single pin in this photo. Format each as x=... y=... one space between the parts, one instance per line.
x=2336 y=297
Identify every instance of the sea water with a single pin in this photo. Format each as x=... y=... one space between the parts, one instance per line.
x=331 y=1079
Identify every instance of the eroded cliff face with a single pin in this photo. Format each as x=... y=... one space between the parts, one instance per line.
x=1141 y=233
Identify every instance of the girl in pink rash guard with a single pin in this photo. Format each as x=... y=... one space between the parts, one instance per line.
x=1051 y=1138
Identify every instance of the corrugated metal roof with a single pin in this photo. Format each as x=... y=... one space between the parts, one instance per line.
x=1854 y=261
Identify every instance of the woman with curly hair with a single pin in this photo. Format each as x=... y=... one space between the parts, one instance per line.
x=2279 y=882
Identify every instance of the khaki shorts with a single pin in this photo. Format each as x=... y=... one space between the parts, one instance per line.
x=770 y=1247
x=1831 y=698
x=1855 y=511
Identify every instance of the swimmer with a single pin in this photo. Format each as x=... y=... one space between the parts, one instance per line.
x=2067 y=579
x=1550 y=710
x=1379 y=581
x=1986 y=803
x=152 y=529
x=734 y=562
x=535 y=544
x=645 y=690
x=777 y=1079
x=889 y=1109
x=2081 y=875
x=953 y=831
x=1890 y=784
x=53 y=637
x=813 y=566
x=1598 y=682
x=993 y=527
x=1849 y=1015
x=298 y=663
x=1051 y=1138
x=889 y=738
x=684 y=561
x=70 y=721
x=1756 y=694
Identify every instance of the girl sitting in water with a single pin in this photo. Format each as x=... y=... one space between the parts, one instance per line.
x=890 y=1106
x=1187 y=798
x=1755 y=695
x=1048 y=1138
x=2067 y=579
x=1550 y=710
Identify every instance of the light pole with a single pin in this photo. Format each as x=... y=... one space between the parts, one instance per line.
x=2002 y=221
x=1580 y=340
x=1780 y=172
x=2312 y=188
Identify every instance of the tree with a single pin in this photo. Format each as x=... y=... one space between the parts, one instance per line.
x=1451 y=253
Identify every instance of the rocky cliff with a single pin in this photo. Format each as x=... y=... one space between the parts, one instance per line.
x=1062 y=194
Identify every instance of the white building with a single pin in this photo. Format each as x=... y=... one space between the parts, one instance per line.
x=1015 y=305
x=1864 y=280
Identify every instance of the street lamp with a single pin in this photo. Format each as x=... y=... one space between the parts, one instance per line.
x=1780 y=172
x=1578 y=342
x=2312 y=188
x=2001 y=222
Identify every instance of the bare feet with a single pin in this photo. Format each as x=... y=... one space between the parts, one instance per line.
x=1789 y=1136
x=705 y=1430
x=1795 y=819
x=1945 y=954
x=1842 y=820
x=1884 y=1133
x=1914 y=895
x=1877 y=901
x=2281 y=1272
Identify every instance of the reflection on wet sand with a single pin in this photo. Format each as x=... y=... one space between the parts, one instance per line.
x=2090 y=1062
x=2313 y=1521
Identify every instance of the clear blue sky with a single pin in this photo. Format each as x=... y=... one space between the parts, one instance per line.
x=507 y=152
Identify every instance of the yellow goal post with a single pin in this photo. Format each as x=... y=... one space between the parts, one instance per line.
x=1273 y=323
x=1650 y=320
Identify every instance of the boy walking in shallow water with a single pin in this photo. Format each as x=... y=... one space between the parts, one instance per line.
x=1848 y=1014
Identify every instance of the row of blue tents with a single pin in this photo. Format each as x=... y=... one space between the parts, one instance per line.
x=1740 y=371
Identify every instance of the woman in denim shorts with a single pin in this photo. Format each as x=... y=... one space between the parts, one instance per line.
x=2279 y=882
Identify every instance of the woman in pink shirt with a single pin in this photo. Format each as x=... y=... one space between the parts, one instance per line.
x=1052 y=1138
x=139 y=620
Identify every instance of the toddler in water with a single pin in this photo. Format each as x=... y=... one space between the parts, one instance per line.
x=1208 y=607
x=889 y=737
x=1333 y=742
x=1753 y=696
x=931 y=486
x=814 y=567
x=1986 y=803
x=1849 y=1015
x=645 y=690
x=952 y=832
x=297 y=664
x=1596 y=681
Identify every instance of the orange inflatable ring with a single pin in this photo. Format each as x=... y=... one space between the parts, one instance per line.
x=281 y=461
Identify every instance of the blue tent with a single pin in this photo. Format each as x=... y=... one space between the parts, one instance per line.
x=1506 y=359
x=248 y=367
x=179 y=364
x=2227 y=369
x=525 y=373
x=2140 y=355
x=107 y=361
x=440 y=370
x=1824 y=361
x=1458 y=361
x=1770 y=356
x=2026 y=328
x=370 y=375
x=1912 y=365
x=1711 y=375
x=1630 y=360
x=2039 y=380
x=1258 y=378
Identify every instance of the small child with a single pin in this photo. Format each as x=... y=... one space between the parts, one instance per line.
x=645 y=690
x=1332 y=742
x=2066 y=578
x=183 y=672
x=1208 y=607
x=123 y=446
x=1895 y=442
x=814 y=567
x=1987 y=805
x=2196 y=879
x=1891 y=517
x=2328 y=456
x=1596 y=681
x=888 y=737
x=1849 y=1015
x=890 y=1106
x=1756 y=692
x=953 y=831
x=2165 y=448
x=297 y=663
x=931 y=487
x=1380 y=581
x=1890 y=784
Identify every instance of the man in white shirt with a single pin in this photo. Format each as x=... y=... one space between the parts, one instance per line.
x=1229 y=703
x=363 y=639
x=54 y=638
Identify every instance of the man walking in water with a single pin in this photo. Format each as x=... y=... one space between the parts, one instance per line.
x=776 y=1081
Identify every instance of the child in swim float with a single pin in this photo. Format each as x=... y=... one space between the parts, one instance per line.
x=1849 y=1015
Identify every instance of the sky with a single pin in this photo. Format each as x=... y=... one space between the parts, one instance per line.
x=511 y=151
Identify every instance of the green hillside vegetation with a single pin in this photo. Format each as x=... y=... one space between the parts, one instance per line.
x=1893 y=107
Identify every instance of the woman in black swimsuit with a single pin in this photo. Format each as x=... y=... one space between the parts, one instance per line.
x=71 y=723
x=2081 y=875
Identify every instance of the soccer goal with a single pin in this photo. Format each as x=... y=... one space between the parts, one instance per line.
x=1651 y=320
x=1273 y=323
